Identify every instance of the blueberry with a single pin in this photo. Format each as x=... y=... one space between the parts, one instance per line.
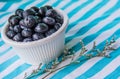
x=17 y=28
x=41 y=28
x=28 y=12
x=38 y=19
x=42 y=11
x=51 y=13
x=48 y=7
x=59 y=19
x=49 y=20
x=19 y=12
x=27 y=32
x=18 y=37
x=35 y=9
x=30 y=21
x=37 y=36
x=10 y=34
x=14 y=20
x=57 y=26
x=11 y=28
x=27 y=40
x=21 y=23
x=51 y=31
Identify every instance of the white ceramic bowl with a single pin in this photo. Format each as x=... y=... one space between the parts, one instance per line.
x=43 y=50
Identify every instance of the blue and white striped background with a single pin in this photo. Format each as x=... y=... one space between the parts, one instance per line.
x=89 y=19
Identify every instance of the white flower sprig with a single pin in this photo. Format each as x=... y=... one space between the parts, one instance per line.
x=68 y=54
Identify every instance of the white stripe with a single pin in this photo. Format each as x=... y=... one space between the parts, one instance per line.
x=11 y=68
x=0 y=38
x=74 y=5
x=63 y=3
x=4 y=47
x=87 y=65
x=93 y=30
x=98 y=40
x=97 y=14
x=107 y=69
x=7 y=56
x=84 y=10
x=118 y=78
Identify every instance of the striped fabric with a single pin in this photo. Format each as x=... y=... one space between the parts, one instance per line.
x=90 y=20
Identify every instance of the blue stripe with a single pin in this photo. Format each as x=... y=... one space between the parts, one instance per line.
x=114 y=75
x=17 y=71
x=99 y=65
x=1 y=43
x=1 y=25
x=94 y=22
x=10 y=0
x=8 y=62
x=56 y=3
x=72 y=67
x=4 y=52
x=7 y=6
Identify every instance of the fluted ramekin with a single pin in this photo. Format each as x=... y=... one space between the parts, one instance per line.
x=43 y=50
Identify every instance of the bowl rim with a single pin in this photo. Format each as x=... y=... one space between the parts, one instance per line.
x=34 y=43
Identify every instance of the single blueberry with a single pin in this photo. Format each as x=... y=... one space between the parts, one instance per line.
x=42 y=11
x=49 y=20
x=41 y=28
x=11 y=27
x=17 y=28
x=28 y=12
x=51 y=13
x=38 y=19
x=51 y=31
x=27 y=32
x=30 y=21
x=57 y=26
x=35 y=9
x=27 y=39
x=14 y=20
x=18 y=37
x=37 y=36
x=19 y=12
x=59 y=19
x=10 y=34
x=21 y=23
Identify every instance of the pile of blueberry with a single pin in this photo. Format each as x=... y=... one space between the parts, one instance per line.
x=33 y=24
